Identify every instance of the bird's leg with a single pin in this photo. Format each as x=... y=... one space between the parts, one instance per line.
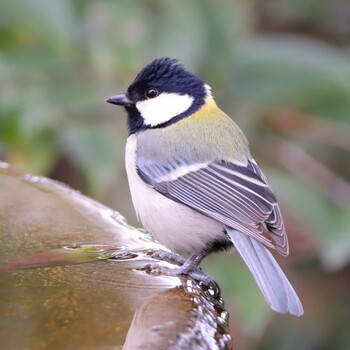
x=192 y=263
x=189 y=267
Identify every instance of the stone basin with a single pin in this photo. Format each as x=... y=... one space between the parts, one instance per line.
x=72 y=277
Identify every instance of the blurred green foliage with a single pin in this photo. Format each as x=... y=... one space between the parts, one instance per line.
x=281 y=69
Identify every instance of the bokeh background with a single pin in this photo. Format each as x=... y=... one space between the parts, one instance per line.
x=280 y=68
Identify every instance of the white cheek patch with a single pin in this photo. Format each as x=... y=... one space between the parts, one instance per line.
x=162 y=108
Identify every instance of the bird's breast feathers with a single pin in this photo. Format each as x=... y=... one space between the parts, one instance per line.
x=176 y=226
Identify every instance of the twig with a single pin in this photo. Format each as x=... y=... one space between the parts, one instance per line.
x=304 y=166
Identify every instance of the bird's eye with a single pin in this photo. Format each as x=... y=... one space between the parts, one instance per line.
x=151 y=93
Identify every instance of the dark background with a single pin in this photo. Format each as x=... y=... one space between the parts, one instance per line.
x=279 y=68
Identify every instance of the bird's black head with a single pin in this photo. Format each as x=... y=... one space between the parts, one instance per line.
x=161 y=94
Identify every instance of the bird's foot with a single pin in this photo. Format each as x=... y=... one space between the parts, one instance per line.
x=197 y=275
x=169 y=257
x=158 y=270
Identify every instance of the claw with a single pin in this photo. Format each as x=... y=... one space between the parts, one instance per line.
x=210 y=284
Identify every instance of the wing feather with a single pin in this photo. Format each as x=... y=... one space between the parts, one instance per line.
x=235 y=194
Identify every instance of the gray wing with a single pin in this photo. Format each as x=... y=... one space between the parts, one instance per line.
x=236 y=195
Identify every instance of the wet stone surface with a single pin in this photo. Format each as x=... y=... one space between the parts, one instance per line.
x=71 y=277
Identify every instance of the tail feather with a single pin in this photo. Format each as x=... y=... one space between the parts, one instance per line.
x=270 y=278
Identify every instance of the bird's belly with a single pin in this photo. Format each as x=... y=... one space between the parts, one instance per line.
x=174 y=225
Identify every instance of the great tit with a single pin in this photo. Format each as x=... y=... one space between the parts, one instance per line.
x=194 y=184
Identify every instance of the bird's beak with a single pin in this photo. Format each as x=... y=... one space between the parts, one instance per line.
x=120 y=100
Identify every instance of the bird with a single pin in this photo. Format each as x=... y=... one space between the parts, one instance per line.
x=194 y=184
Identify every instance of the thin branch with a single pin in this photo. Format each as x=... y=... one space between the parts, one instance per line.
x=304 y=166
x=291 y=122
